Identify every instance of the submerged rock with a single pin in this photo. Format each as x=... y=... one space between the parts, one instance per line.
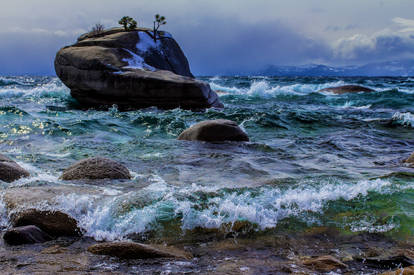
x=131 y=250
x=10 y=170
x=410 y=160
x=54 y=223
x=347 y=89
x=96 y=168
x=132 y=71
x=28 y=234
x=214 y=130
x=324 y=263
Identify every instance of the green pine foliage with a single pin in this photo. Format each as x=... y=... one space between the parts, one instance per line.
x=128 y=23
x=159 y=21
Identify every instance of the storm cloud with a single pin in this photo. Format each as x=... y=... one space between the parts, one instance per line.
x=218 y=37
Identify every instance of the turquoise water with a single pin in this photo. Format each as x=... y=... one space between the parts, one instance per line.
x=314 y=159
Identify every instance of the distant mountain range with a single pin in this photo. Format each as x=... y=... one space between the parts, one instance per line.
x=390 y=68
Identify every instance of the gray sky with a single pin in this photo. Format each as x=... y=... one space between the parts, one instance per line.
x=218 y=36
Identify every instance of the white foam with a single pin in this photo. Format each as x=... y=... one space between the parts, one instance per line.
x=51 y=89
x=110 y=214
x=263 y=88
x=351 y=105
x=405 y=119
x=104 y=221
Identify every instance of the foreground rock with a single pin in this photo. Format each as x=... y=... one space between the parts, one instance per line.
x=401 y=271
x=410 y=160
x=26 y=235
x=347 y=89
x=10 y=170
x=132 y=71
x=324 y=263
x=96 y=168
x=131 y=250
x=214 y=130
x=387 y=262
x=54 y=223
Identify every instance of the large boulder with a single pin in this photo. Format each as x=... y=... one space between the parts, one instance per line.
x=132 y=250
x=28 y=234
x=10 y=170
x=54 y=223
x=96 y=168
x=347 y=89
x=129 y=69
x=214 y=130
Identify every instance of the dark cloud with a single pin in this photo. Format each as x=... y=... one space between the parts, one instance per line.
x=212 y=47
x=33 y=53
x=233 y=46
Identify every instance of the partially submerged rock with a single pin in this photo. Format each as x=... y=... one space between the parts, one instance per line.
x=324 y=263
x=132 y=250
x=28 y=234
x=54 y=223
x=96 y=168
x=347 y=89
x=10 y=170
x=132 y=71
x=410 y=160
x=214 y=130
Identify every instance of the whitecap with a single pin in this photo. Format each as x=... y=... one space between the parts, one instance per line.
x=405 y=119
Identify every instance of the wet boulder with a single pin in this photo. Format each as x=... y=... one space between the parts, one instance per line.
x=347 y=89
x=28 y=234
x=213 y=131
x=10 y=170
x=131 y=70
x=54 y=223
x=132 y=250
x=96 y=168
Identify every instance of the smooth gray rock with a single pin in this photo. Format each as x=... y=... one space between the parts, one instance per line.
x=214 y=130
x=96 y=168
x=10 y=170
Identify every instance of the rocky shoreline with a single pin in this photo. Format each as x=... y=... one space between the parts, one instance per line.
x=51 y=241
